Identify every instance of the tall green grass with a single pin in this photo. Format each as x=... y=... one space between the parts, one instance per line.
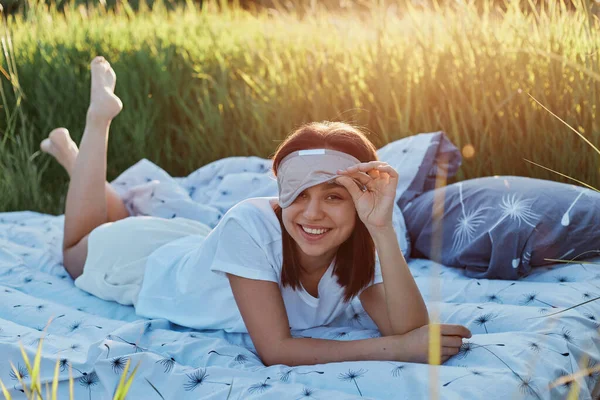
x=199 y=85
x=36 y=390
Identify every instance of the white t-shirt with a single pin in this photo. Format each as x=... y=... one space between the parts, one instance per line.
x=185 y=281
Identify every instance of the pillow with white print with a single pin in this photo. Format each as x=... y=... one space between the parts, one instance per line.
x=500 y=227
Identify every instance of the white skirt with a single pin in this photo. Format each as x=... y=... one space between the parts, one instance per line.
x=117 y=253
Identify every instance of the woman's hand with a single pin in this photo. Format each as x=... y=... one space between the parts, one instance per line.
x=415 y=344
x=375 y=205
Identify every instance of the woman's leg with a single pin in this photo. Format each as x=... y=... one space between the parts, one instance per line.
x=60 y=145
x=87 y=206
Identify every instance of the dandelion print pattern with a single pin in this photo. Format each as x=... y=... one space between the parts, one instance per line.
x=147 y=327
x=585 y=295
x=495 y=298
x=592 y=318
x=341 y=335
x=398 y=369
x=168 y=363
x=528 y=388
x=89 y=381
x=206 y=361
x=64 y=363
x=564 y=374
x=467 y=347
x=353 y=376
x=134 y=345
x=260 y=387
x=154 y=388
x=118 y=364
x=198 y=378
x=526 y=257
x=593 y=374
x=565 y=334
x=467 y=224
x=525 y=384
x=35 y=342
x=20 y=373
x=79 y=324
x=482 y=320
x=107 y=350
x=285 y=376
x=533 y=297
x=357 y=318
x=307 y=393
x=562 y=279
x=566 y=220
x=471 y=373
x=38 y=308
x=535 y=347
x=75 y=347
x=238 y=358
x=517 y=209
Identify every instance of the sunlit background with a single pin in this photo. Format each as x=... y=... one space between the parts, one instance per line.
x=206 y=80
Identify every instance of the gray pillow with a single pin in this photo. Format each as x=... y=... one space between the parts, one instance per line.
x=499 y=227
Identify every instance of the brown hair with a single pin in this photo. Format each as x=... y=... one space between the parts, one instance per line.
x=355 y=258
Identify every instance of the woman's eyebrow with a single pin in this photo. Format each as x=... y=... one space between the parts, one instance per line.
x=332 y=184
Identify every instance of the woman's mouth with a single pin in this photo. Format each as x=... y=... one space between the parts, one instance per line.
x=312 y=235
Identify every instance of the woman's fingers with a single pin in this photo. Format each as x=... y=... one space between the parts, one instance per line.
x=455 y=330
x=362 y=177
x=350 y=186
x=449 y=351
x=446 y=358
x=369 y=165
x=377 y=171
x=378 y=166
x=366 y=178
x=388 y=169
x=451 y=341
x=373 y=173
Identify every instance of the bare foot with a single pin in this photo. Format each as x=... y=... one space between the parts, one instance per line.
x=103 y=102
x=60 y=145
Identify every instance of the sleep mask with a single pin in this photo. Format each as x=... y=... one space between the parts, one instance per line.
x=306 y=168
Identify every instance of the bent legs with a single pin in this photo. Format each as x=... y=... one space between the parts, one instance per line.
x=60 y=145
x=91 y=201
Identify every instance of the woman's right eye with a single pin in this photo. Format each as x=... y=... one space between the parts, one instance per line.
x=301 y=196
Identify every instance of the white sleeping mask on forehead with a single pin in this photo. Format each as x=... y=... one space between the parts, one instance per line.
x=306 y=168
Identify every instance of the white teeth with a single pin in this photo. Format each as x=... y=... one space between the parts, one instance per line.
x=314 y=231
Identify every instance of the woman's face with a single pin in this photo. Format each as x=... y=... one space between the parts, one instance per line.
x=319 y=220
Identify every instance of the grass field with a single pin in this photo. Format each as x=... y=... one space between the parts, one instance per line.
x=199 y=85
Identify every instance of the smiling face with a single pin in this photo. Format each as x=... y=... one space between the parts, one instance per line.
x=319 y=220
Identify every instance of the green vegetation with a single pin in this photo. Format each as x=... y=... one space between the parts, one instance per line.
x=199 y=85
x=35 y=390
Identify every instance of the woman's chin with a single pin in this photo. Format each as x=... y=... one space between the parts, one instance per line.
x=315 y=251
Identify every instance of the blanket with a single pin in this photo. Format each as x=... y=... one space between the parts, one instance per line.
x=525 y=333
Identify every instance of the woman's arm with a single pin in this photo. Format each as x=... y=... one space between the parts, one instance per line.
x=396 y=306
x=375 y=204
x=262 y=308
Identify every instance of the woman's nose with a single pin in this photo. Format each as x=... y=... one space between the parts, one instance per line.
x=313 y=210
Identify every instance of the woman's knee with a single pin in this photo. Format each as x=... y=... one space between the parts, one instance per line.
x=74 y=257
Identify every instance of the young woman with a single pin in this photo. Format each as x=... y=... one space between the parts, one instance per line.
x=271 y=264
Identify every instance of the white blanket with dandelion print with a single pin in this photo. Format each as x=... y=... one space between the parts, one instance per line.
x=526 y=334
